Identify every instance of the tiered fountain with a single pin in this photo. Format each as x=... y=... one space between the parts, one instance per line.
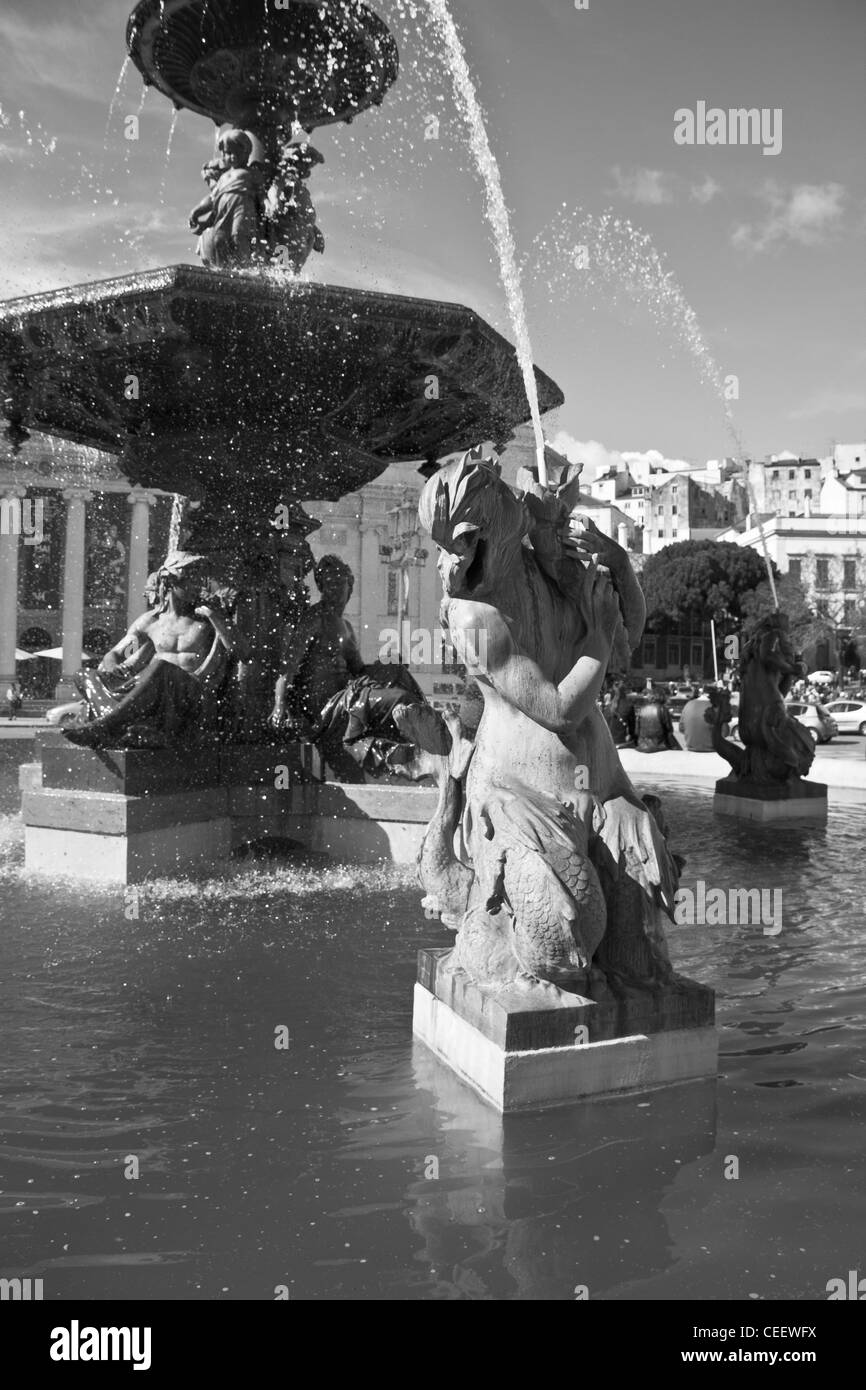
x=245 y=390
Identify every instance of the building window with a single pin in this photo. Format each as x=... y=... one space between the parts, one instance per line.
x=674 y=533
x=795 y=569
x=673 y=511
x=697 y=662
x=808 y=473
x=822 y=571
x=849 y=574
x=673 y=651
x=792 y=494
x=808 y=493
x=661 y=533
x=775 y=472
x=822 y=608
x=791 y=474
x=850 y=615
x=392 y=591
x=649 y=651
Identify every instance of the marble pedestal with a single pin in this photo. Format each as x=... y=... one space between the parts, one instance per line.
x=124 y=815
x=795 y=800
x=534 y=1049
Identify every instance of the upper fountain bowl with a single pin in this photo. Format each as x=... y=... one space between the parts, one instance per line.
x=256 y=64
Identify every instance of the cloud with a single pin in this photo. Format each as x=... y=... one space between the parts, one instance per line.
x=598 y=458
x=706 y=191
x=648 y=186
x=807 y=214
x=830 y=401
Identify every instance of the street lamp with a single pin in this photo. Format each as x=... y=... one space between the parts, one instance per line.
x=403 y=553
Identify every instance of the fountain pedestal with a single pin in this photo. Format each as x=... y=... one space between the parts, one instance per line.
x=525 y=1049
x=124 y=815
x=769 y=803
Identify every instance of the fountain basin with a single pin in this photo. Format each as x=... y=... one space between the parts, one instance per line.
x=310 y=61
x=219 y=381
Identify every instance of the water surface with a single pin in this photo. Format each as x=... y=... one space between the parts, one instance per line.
x=151 y=1037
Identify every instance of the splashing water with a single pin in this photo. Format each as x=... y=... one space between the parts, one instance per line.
x=175 y=525
x=495 y=208
x=607 y=252
x=171 y=130
x=124 y=68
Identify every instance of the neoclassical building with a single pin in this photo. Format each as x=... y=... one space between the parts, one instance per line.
x=77 y=542
x=76 y=545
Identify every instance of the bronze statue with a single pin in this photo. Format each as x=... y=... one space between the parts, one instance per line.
x=159 y=684
x=325 y=693
x=554 y=869
x=257 y=212
x=228 y=219
x=778 y=750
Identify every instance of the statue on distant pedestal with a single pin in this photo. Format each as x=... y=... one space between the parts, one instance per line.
x=546 y=859
x=159 y=685
x=777 y=749
x=325 y=693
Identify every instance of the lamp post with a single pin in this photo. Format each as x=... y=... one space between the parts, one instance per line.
x=403 y=553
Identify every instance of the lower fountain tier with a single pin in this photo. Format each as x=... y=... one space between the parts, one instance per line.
x=205 y=379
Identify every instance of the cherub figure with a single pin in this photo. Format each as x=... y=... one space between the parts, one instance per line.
x=289 y=212
x=228 y=219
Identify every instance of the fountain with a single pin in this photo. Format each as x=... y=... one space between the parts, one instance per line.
x=245 y=391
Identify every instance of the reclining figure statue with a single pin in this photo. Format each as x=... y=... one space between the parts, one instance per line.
x=159 y=685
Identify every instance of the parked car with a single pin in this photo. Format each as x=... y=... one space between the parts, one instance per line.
x=850 y=715
x=815 y=718
x=66 y=714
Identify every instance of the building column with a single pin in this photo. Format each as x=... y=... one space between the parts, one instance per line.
x=10 y=539
x=72 y=614
x=139 y=551
x=368 y=580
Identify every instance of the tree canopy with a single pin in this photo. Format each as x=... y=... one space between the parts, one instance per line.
x=697 y=580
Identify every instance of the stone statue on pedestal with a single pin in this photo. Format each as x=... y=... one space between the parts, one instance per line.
x=542 y=854
x=778 y=750
x=160 y=684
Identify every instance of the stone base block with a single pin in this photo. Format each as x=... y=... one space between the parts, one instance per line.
x=797 y=800
x=542 y=1078
x=171 y=851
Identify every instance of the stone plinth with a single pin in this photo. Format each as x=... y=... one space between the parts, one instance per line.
x=532 y=1049
x=122 y=815
x=768 y=803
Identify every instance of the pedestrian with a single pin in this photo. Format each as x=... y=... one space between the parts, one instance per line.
x=655 y=730
x=696 y=723
x=14 y=700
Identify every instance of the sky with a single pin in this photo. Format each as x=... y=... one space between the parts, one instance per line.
x=763 y=253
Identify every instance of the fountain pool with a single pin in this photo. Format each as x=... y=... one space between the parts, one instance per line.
x=306 y=1168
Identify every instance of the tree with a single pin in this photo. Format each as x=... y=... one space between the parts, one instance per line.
x=692 y=581
x=807 y=629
